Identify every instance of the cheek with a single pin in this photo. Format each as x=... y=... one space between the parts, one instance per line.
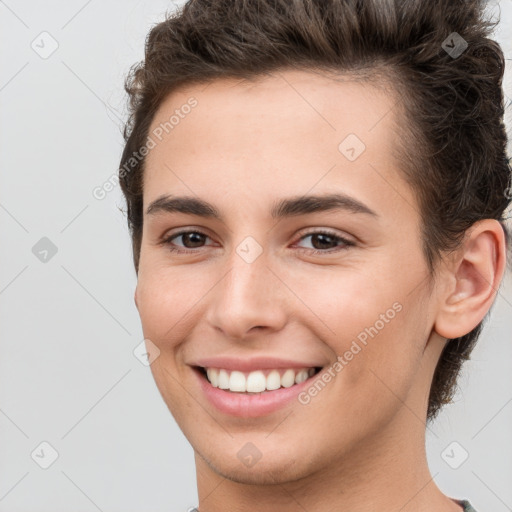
x=167 y=299
x=375 y=326
x=348 y=302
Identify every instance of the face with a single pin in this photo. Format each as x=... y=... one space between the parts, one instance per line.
x=263 y=278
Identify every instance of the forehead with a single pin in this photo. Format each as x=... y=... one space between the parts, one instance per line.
x=292 y=130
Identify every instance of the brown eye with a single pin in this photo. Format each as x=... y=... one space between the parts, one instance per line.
x=325 y=242
x=190 y=239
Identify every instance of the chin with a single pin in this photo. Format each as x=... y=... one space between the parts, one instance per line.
x=278 y=471
x=259 y=459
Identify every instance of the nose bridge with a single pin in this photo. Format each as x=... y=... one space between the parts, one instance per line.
x=248 y=295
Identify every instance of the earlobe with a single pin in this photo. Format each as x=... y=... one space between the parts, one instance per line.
x=476 y=276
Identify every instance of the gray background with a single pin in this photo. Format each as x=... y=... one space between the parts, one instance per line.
x=68 y=374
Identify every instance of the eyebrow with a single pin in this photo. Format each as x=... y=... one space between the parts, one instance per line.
x=294 y=206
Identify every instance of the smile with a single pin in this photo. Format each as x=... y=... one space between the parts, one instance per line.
x=229 y=391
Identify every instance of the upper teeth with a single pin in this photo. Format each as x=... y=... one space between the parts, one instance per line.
x=257 y=381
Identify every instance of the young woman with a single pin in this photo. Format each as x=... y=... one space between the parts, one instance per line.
x=316 y=192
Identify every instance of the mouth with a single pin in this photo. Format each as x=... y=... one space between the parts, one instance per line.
x=258 y=382
x=255 y=387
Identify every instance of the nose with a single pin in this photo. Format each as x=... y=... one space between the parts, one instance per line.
x=249 y=298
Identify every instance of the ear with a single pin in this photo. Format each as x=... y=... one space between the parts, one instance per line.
x=472 y=279
x=135 y=297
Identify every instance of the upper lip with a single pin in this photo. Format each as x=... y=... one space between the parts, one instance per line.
x=253 y=363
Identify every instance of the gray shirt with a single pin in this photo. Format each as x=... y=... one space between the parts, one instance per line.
x=465 y=505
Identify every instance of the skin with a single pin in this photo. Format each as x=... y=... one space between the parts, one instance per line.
x=359 y=445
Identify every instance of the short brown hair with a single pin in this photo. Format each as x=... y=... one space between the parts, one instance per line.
x=453 y=149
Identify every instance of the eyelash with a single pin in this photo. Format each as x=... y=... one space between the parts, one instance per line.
x=345 y=243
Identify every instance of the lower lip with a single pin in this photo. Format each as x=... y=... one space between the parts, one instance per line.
x=250 y=406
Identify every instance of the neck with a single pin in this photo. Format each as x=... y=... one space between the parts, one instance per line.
x=387 y=472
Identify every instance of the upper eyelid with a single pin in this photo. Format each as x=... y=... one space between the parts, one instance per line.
x=166 y=237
